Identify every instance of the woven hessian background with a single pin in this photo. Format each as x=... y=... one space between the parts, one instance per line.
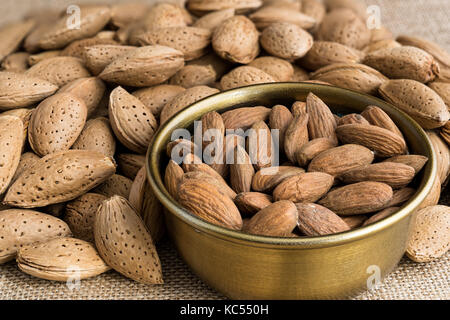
x=424 y=18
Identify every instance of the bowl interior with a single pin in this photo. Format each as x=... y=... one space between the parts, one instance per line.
x=340 y=101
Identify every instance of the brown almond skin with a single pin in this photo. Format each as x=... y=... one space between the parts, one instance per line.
x=296 y=136
x=429 y=238
x=172 y=177
x=413 y=160
x=336 y=161
x=345 y=27
x=20 y=90
x=322 y=123
x=121 y=237
x=357 y=77
x=260 y=145
x=236 y=40
x=244 y=76
x=422 y=103
x=298 y=108
x=155 y=98
x=286 y=40
x=133 y=124
x=11 y=144
x=56 y=123
x=324 y=53
x=20 y=227
x=316 y=220
x=191 y=41
x=312 y=149
x=276 y=220
x=352 y=118
x=381 y=215
x=59 y=70
x=241 y=171
x=397 y=175
x=252 y=202
x=204 y=176
x=266 y=179
x=280 y=118
x=358 y=198
x=279 y=69
x=205 y=201
x=382 y=141
x=59 y=177
x=377 y=117
x=401 y=196
x=144 y=67
x=80 y=215
x=305 y=187
x=244 y=118
x=354 y=221
x=212 y=125
x=404 y=63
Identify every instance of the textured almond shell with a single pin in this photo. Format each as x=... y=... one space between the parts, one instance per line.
x=97 y=136
x=273 y=13
x=155 y=98
x=144 y=67
x=59 y=177
x=131 y=121
x=236 y=40
x=21 y=90
x=61 y=259
x=244 y=76
x=11 y=36
x=21 y=227
x=124 y=242
x=212 y=20
x=11 y=143
x=129 y=164
x=98 y=57
x=56 y=123
x=422 y=103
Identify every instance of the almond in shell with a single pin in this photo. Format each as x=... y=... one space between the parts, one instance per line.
x=419 y=101
x=286 y=40
x=59 y=177
x=203 y=6
x=279 y=69
x=144 y=67
x=77 y=49
x=27 y=160
x=430 y=237
x=129 y=164
x=11 y=143
x=155 y=98
x=56 y=123
x=244 y=76
x=442 y=152
x=98 y=57
x=443 y=90
x=124 y=242
x=16 y=62
x=80 y=215
x=131 y=121
x=59 y=70
x=22 y=227
x=404 y=63
x=19 y=90
x=270 y=14
x=236 y=40
x=116 y=185
x=93 y=19
x=97 y=136
x=12 y=35
x=212 y=20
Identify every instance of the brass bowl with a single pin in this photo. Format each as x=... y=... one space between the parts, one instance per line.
x=243 y=266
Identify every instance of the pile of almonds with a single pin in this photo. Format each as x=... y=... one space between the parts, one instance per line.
x=79 y=107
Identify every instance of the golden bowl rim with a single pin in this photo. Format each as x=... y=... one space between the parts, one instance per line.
x=156 y=181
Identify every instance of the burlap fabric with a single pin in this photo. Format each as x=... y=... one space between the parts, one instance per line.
x=424 y=18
